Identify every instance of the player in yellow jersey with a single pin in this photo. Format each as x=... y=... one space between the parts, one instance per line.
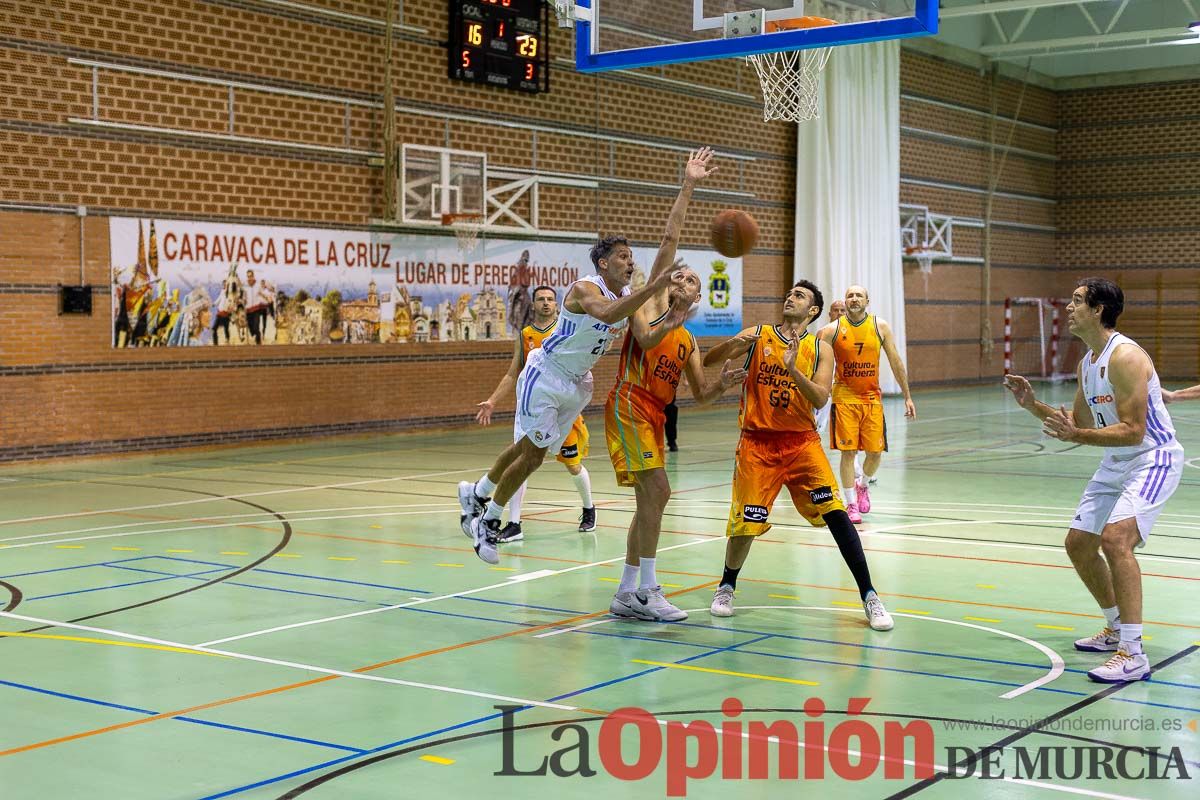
x=654 y=356
x=856 y=422
x=574 y=448
x=790 y=374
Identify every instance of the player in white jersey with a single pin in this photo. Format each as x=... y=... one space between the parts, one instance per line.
x=556 y=383
x=1118 y=406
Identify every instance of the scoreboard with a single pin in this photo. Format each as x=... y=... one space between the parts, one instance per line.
x=500 y=42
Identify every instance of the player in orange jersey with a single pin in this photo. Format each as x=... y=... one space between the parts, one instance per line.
x=574 y=448
x=790 y=374
x=654 y=356
x=857 y=419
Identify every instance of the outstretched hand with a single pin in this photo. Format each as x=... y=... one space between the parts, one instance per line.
x=732 y=375
x=484 y=415
x=1021 y=390
x=1060 y=425
x=698 y=165
x=743 y=342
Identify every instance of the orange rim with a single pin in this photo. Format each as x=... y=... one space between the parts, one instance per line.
x=450 y=219
x=796 y=23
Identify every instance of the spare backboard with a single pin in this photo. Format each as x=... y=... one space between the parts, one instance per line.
x=622 y=34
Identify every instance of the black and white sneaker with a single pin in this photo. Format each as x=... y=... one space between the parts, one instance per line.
x=472 y=505
x=587 y=520
x=484 y=532
x=510 y=533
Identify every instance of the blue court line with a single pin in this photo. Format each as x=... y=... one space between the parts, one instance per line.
x=77 y=566
x=401 y=742
x=522 y=605
x=191 y=720
x=254 y=586
x=114 y=586
x=310 y=577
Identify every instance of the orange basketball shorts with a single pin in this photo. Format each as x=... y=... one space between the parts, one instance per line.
x=764 y=464
x=858 y=426
x=575 y=447
x=633 y=428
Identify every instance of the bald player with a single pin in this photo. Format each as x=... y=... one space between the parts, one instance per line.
x=856 y=422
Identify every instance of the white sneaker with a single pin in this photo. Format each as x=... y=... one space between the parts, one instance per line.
x=1105 y=641
x=722 y=604
x=472 y=505
x=484 y=533
x=877 y=616
x=662 y=608
x=1122 y=667
x=629 y=605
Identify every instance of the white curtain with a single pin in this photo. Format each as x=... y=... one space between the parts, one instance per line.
x=848 y=186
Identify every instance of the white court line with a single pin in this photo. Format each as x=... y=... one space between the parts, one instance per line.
x=920 y=421
x=291 y=664
x=1056 y=663
x=262 y=516
x=424 y=600
x=224 y=525
x=1006 y=506
x=238 y=496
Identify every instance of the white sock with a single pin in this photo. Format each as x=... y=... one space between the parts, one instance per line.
x=484 y=487
x=583 y=482
x=1131 y=639
x=493 y=510
x=851 y=495
x=1112 y=617
x=514 y=504
x=649 y=579
x=629 y=578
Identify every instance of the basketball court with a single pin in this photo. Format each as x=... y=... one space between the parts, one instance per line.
x=276 y=600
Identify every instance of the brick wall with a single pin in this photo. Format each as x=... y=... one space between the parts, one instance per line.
x=1129 y=209
x=127 y=109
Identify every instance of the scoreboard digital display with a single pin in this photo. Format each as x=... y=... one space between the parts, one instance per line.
x=501 y=43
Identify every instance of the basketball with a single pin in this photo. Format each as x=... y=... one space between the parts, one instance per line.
x=733 y=233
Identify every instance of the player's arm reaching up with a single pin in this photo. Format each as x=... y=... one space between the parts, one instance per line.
x=697 y=169
x=898 y=370
x=816 y=390
x=732 y=348
x=586 y=298
x=505 y=387
x=706 y=391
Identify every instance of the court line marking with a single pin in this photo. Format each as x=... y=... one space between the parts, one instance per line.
x=690 y=668
x=86 y=640
x=199 y=500
x=437 y=760
x=424 y=600
x=1057 y=666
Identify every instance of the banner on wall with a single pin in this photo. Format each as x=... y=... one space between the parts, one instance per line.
x=182 y=283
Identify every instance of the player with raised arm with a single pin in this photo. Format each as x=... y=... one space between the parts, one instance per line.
x=1119 y=407
x=653 y=358
x=556 y=383
x=790 y=374
x=574 y=448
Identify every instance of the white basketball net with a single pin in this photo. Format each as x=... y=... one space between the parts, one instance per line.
x=924 y=260
x=466 y=231
x=790 y=83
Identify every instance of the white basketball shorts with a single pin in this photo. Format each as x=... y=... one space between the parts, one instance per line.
x=548 y=403
x=1136 y=488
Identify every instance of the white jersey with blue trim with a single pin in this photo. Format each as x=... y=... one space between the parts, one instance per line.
x=1102 y=402
x=578 y=340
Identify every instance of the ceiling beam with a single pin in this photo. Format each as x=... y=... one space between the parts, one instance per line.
x=1049 y=46
x=1006 y=5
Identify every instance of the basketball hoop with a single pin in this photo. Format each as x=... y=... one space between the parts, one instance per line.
x=466 y=227
x=923 y=257
x=791 y=79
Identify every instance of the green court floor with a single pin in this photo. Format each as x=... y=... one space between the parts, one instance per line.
x=308 y=620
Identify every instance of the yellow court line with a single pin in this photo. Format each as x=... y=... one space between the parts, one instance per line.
x=777 y=596
x=340 y=558
x=1196 y=644
x=611 y=580
x=288 y=555
x=233 y=553
x=437 y=760
x=448 y=565
x=111 y=642
x=843 y=603
x=181 y=551
x=502 y=569
x=673 y=585
x=981 y=619
x=912 y=611
x=376 y=527
x=130 y=549
x=1054 y=627
x=690 y=668
x=399 y=562
x=69 y=546
x=984 y=586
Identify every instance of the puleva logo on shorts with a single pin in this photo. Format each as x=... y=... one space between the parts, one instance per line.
x=821 y=495
x=754 y=513
x=570 y=452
